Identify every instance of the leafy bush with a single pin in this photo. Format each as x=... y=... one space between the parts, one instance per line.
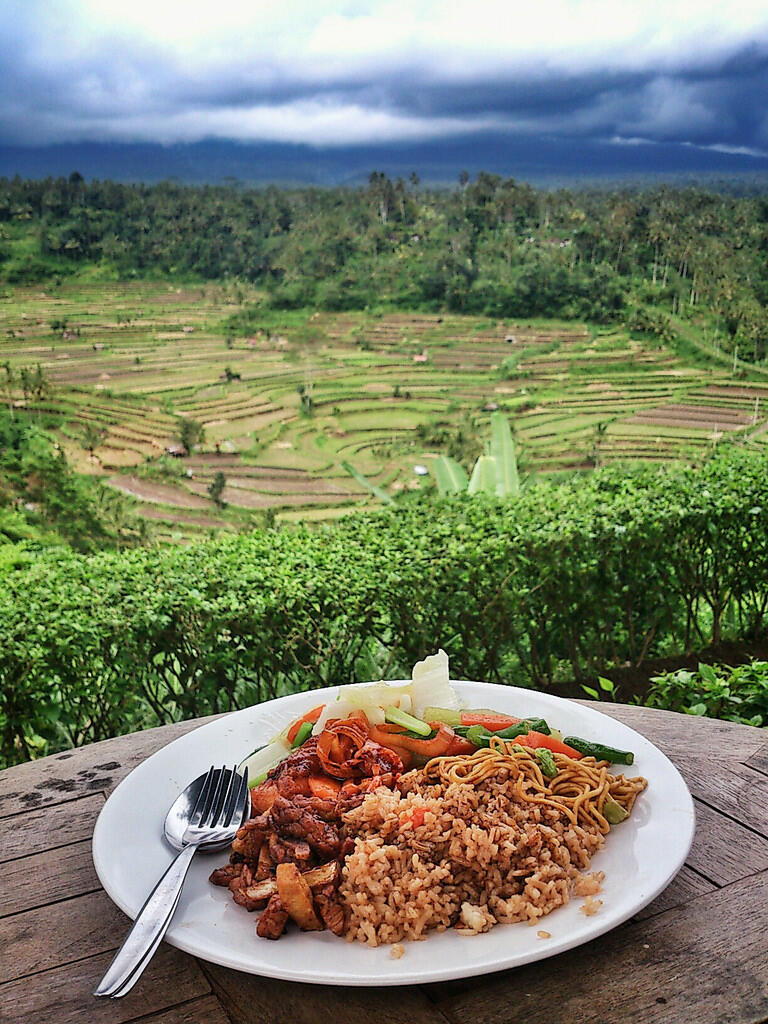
x=737 y=694
x=565 y=580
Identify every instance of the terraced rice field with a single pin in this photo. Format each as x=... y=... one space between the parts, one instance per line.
x=386 y=391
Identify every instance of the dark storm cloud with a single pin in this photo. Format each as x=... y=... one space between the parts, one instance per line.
x=74 y=72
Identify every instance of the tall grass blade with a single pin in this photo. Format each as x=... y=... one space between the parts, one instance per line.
x=483 y=479
x=449 y=475
x=503 y=451
x=369 y=486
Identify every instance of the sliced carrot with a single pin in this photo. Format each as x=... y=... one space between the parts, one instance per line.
x=417 y=818
x=311 y=716
x=489 y=720
x=538 y=739
x=460 y=745
x=325 y=788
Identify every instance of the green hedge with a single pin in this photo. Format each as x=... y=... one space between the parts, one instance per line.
x=737 y=694
x=612 y=567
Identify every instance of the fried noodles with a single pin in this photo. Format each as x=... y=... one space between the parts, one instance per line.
x=579 y=790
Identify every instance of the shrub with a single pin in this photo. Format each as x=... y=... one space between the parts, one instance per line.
x=567 y=579
x=737 y=694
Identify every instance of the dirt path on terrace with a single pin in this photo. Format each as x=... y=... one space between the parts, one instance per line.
x=697 y=417
x=160 y=515
x=161 y=494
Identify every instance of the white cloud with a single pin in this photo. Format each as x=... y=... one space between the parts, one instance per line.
x=315 y=123
x=331 y=73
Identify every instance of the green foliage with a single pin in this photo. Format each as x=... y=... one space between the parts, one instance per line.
x=495 y=248
x=449 y=475
x=483 y=479
x=736 y=694
x=93 y=435
x=216 y=487
x=377 y=492
x=569 y=578
x=43 y=500
x=502 y=450
x=607 y=686
x=190 y=433
x=493 y=473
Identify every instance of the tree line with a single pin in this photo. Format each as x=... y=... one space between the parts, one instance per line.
x=490 y=246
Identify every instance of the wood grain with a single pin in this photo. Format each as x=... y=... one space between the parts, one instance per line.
x=49 y=827
x=200 y=1011
x=759 y=760
x=57 y=934
x=251 y=1000
x=674 y=733
x=75 y=773
x=64 y=995
x=706 y=960
x=686 y=885
x=724 y=850
x=48 y=877
x=734 y=789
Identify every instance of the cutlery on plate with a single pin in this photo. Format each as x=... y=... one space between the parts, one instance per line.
x=205 y=816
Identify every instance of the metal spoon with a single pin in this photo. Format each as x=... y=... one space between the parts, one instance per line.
x=205 y=816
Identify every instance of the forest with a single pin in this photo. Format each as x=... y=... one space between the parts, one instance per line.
x=490 y=246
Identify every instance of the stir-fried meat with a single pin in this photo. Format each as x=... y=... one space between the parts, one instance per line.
x=288 y=851
x=328 y=810
x=251 y=836
x=291 y=775
x=330 y=909
x=347 y=846
x=265 y=865
x=292 y=826
x=274 y=919
x=298 y=819
x=238 y=888
x=223 y=876
x=290 y=778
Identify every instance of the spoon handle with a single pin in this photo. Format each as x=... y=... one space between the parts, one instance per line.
x=148 y=929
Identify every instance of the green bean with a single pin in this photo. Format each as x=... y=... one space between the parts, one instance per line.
x=479 y=736
x=599 y=751
x=547 y=762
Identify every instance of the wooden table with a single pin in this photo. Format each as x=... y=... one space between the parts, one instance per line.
x=699 y=953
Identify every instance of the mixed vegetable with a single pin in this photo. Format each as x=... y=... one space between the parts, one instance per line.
x=418 y=720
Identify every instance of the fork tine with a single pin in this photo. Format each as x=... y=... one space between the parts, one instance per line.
x=202 y=797
x=233 y=784
x=213 y=807
x=242 y=800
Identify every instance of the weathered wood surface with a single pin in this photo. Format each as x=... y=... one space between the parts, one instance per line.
x=698 y=953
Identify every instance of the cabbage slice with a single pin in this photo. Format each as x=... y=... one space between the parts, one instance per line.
x=333 y=709
x=431 y=684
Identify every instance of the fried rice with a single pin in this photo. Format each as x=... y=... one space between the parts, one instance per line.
x=436 y=856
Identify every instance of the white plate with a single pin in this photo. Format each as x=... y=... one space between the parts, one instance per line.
x=641 y=856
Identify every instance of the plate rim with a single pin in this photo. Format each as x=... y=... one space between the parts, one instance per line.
x=398 y=973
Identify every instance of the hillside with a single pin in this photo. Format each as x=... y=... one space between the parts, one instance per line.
x=286 y=397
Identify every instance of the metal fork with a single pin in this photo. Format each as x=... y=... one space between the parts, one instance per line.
x=219 y=809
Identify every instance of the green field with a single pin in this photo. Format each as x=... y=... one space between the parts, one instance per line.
x=387 y=392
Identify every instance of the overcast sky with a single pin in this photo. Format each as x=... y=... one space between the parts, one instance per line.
x=352 y=72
